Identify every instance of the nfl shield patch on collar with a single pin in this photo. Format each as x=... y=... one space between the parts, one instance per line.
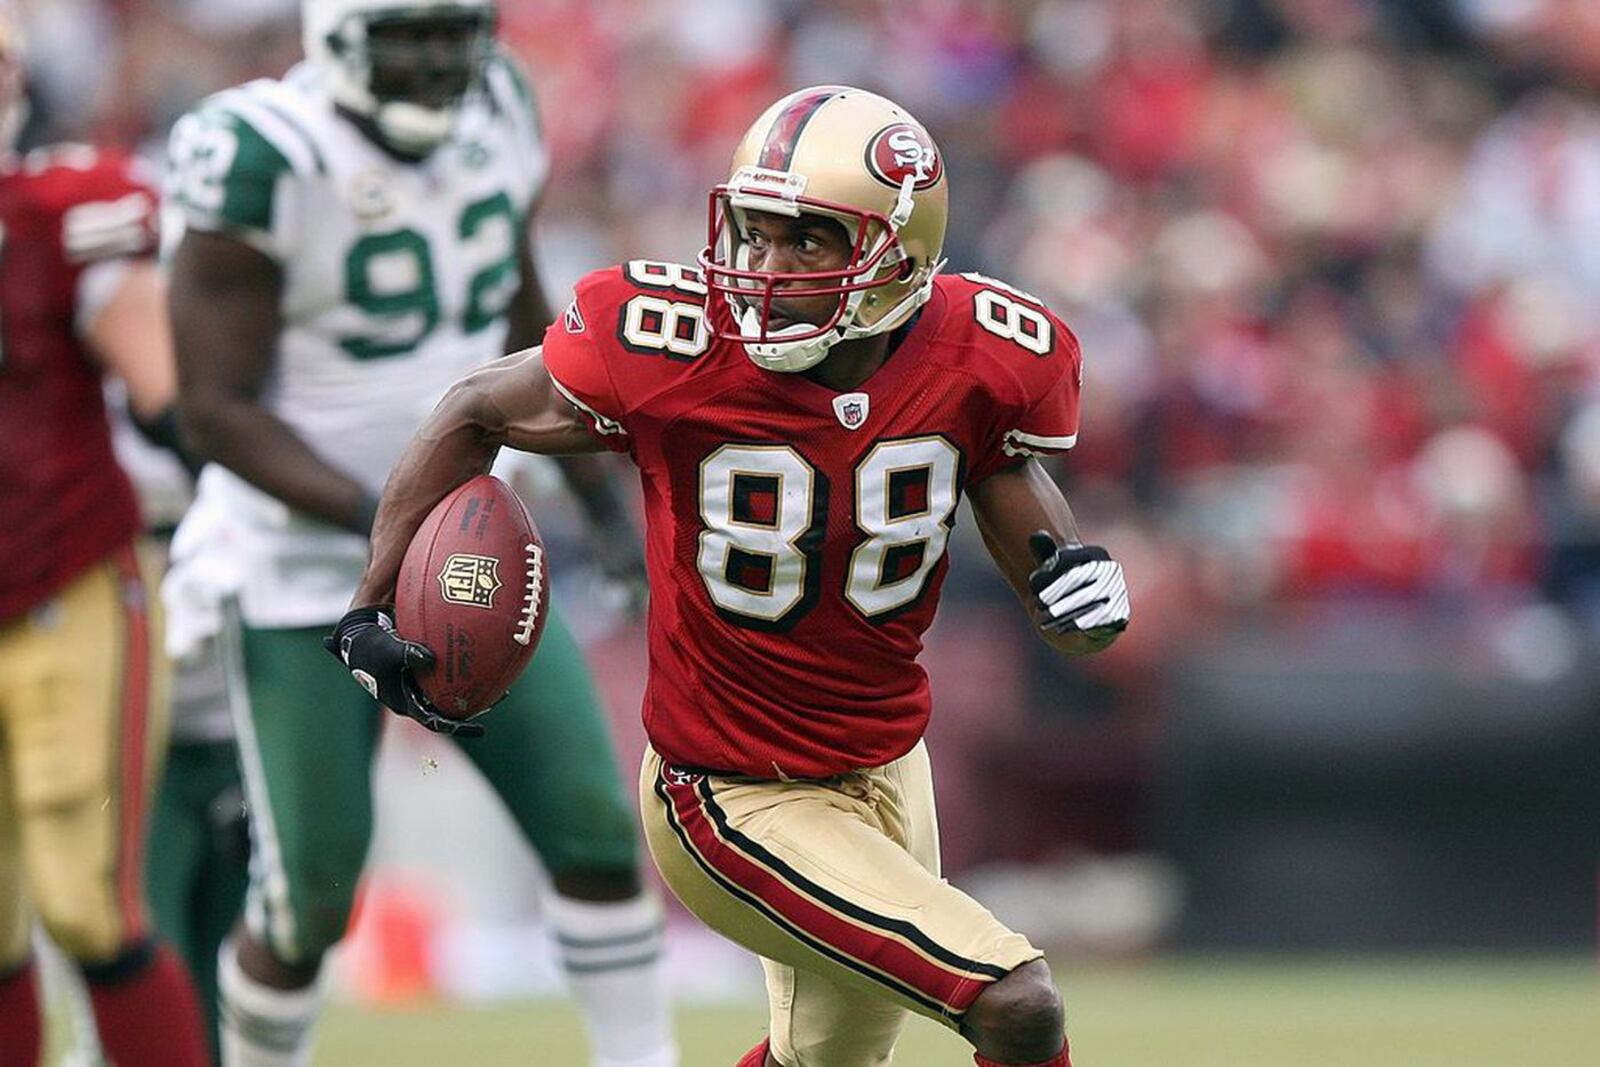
x=852 y=409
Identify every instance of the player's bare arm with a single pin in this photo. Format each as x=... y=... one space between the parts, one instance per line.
x=616 y=542
x=1012 y=508
x=130 y=337
x=510 y=402
x=226 y=321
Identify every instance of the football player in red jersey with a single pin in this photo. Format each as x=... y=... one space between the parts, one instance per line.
x=806 y=411
x=82 y=701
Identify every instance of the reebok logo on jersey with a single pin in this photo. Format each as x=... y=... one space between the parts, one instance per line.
x=572 y=318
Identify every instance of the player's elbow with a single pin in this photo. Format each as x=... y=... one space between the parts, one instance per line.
x=468 y=406
x=204 y=426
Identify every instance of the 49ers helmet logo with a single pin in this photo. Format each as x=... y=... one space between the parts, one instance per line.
x=902 y=149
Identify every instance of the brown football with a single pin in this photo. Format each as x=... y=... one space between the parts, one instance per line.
x=474 y=588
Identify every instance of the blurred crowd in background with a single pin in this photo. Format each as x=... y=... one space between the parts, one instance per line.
x=1335 y=266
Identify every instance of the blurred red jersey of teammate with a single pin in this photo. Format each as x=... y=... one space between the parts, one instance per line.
x=67 y=503
x=82 y=673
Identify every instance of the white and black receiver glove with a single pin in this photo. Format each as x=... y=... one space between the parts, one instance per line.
x=382 y=661
x=1080 y=587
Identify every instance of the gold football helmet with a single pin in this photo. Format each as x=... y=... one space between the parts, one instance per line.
x=852 y=156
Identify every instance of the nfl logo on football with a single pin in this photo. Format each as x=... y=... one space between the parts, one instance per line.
x=469 y=579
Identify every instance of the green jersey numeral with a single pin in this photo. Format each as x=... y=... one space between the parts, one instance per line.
x=388 y=275
x=491 y=289
x=391 y=275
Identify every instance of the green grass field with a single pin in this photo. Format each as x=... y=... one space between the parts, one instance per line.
x=1191 y=1013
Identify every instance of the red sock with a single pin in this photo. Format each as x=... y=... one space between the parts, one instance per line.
x=755 y=1057
x=147 y=1013
x=21 y=1043
x=1060 y=1059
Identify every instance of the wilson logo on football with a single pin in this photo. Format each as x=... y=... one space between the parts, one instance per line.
x=902 y=150
x=471 y=580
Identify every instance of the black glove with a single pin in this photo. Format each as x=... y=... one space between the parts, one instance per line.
x=1079 y=587
x=381 y=660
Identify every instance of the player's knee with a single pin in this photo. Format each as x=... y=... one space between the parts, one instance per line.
x=602 y=855
x=598 y=884
x=322 y=894
x=1020 y=1015
x=127 y=962
x=321 y=920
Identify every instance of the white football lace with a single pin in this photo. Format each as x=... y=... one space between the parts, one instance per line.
x=532 y=598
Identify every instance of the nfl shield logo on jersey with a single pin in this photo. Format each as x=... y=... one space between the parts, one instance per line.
x=852 y=409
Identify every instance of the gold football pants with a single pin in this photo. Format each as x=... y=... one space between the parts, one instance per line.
x=835 y=884
x=82 y=732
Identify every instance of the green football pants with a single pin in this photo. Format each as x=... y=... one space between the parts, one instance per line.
x=196 y=867
x=307 y=738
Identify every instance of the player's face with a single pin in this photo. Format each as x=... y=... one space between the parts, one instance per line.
x=784 y=245
x=429 y=61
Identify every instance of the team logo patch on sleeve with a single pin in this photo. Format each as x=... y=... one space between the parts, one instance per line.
x=572 y=318
x=469 y=579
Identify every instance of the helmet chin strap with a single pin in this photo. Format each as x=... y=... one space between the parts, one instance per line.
x=784 y=357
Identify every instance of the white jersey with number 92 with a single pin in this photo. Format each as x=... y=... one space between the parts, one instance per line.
x=396 y=280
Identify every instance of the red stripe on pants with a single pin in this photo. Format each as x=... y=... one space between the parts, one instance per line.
x=134 y=716
x=878 y=951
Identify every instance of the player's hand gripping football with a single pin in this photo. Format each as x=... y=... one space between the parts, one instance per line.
x=378 y=658
x=1080 y=589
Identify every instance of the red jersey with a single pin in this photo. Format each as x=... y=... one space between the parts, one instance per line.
x=796 y=536
x=65 y=500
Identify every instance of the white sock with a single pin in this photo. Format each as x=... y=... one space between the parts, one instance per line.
x=262 y=1026
x=612 y=956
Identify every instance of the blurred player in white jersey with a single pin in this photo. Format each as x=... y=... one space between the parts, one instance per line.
x=354 y=237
